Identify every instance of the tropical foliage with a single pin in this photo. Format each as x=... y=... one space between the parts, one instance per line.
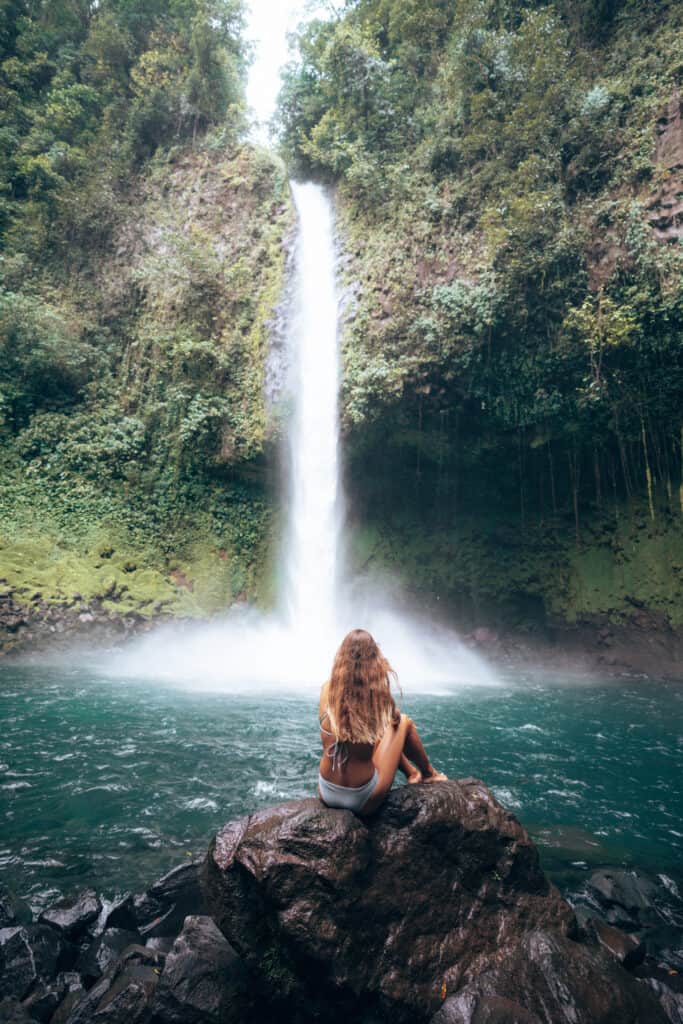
x=141 y=261
x=519 y=326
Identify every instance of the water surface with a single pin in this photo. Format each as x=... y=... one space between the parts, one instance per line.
x=109 y=782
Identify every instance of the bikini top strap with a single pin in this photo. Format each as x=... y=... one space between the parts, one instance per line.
x=337 y=752
x=322 y=728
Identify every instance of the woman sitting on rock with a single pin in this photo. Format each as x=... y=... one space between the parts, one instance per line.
x=364 y=736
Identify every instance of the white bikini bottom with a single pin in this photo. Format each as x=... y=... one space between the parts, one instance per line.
x=347 y=798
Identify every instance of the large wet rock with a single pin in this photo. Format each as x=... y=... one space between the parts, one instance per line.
x=17 y=970
x=629 y=898
x=30 y=955
x=204 y=981
x=8 y=915
x=394 y=912
x=12 y=1012
x=163 y=908
x=46 y=996
x=120 y=914
x=626 y=898
x=548 y=979
x=671 y=1002
x=72 y=917
x=624 y=947
x=123 y=995
x=665 y=945
x=104 y=951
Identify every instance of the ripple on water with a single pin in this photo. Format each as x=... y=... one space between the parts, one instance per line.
x=200 y=803
x=506 y=797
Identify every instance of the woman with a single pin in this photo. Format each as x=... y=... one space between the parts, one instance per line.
x=364 y=736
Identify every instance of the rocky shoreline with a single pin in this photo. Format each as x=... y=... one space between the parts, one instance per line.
x=646 y=645
x=436 y=910
x=43 y=625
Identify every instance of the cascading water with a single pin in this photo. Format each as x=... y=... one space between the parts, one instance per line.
x=295 y=646
x=312 y=546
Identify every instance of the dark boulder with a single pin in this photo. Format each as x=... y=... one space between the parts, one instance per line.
x=128 y=1000
x=672 y=1002
x=389 y=912
x=51 y=951
x=72 y=998
x=482 y=1009
x=73 y=918
x=549 y=979
x=628 y=898
x=103 y=951
x=8 y=915
x=627 y=949
x=665 y=945
x=28 y=955
x=204 y=981
x=121 y=914
x=123 y=995
x=46 y=996
x=13 y=910
x=12 y=1012
x=166 y=904
x=17 y=969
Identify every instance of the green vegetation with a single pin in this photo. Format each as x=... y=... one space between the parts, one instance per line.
x=141 y=261
x=509 y=189
x=509 y=180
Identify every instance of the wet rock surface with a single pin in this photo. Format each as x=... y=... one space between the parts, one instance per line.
x=628 y=897
x=124 y=994
x=12 y=1012
x=105 y=950
x=624 y=947
x=8 y=915
x=439 y=890
x=436 y=910
x=163 y=908
x=17 y=970
x=121 y=914
x=72 y=918
x=29 y=954
x=46 y=996
x=203 y=980
x=637 y=917
x=548 y=979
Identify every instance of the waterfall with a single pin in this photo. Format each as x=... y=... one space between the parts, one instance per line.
x=313 y=533
x=294 y=647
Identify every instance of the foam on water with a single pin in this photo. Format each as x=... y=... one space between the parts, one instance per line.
x=248 y=652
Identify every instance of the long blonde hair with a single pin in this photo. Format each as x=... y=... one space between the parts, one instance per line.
x=360 y=704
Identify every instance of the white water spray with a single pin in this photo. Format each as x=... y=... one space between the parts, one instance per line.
x=248 y=650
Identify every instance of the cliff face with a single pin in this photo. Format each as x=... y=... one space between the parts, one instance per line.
x=146 y=493
x=142 y=261
x=509 y=189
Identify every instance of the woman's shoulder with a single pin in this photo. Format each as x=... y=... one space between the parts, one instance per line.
x=322 y=705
